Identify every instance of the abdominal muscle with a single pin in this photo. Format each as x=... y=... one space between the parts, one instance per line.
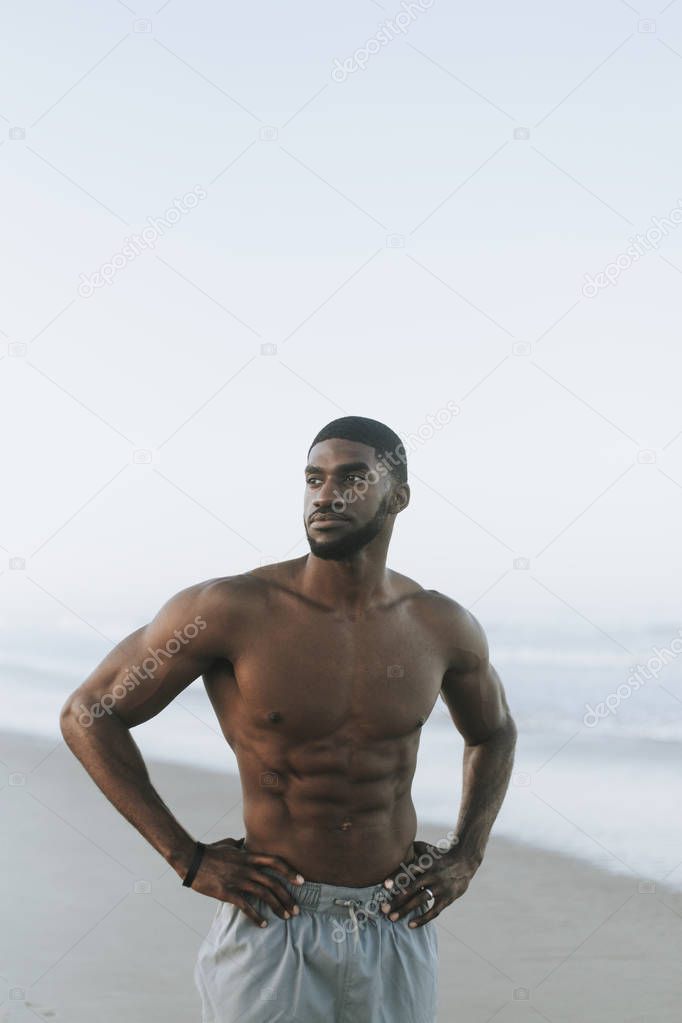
x=328 y=828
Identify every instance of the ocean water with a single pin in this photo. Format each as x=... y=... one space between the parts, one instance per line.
x=597 y=769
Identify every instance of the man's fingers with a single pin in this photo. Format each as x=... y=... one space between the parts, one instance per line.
x=442 y=900
x=261 y=892
x=275 y=863
x=241 y=903
x=396 y=913
x=414 y=873
x=432 y=913
x=403 y=894
x=281 y=893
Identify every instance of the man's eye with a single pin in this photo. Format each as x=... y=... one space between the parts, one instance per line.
x=354 y=475
x=312 y=479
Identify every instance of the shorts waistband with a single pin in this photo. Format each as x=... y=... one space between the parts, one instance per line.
x=332 y=898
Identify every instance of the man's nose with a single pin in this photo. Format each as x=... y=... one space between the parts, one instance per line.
x=327 y=495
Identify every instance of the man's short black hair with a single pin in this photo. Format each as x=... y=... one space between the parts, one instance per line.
x=386 y=443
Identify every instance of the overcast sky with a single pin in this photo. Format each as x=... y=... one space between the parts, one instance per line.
x=404 y=237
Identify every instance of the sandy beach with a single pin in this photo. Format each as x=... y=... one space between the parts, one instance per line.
x=98 y=927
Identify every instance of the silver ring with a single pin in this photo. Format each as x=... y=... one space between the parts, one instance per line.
x=429 y=894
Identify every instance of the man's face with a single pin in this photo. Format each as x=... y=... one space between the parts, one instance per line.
x=347 y=496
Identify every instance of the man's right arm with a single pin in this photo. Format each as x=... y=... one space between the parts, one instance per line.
x=97 y=718
x=185 y=638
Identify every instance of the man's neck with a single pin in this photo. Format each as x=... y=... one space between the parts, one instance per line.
x=352 y=585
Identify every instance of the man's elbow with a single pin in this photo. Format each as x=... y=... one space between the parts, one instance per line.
x=508 y=731
x=75 y=717
x=68 y=718
x=510 y=726
x=503 y=734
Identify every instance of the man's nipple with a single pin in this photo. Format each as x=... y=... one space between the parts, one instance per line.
x=274 y=716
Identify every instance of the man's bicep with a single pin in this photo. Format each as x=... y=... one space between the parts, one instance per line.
x=146 y=671
x=471 y=688
x=476 y=702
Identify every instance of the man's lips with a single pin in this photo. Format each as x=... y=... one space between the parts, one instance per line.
x=325 y=521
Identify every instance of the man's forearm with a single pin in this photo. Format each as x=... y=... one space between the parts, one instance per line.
x=112 y=758
x=486 y=771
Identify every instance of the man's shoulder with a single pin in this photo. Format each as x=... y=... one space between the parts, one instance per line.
x=451 y=620
x=250 y=588
x=446 y=606
x=277 y=573
x=432 y=600
x=219 y=595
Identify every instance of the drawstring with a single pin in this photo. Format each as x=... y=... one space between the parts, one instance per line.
x=352 y=905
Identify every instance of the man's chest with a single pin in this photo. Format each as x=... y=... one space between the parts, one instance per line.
x=317 y=674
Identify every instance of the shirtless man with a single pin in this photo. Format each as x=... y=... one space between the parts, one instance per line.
x=322 y=671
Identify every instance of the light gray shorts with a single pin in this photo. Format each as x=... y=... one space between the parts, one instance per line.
x=340 y=960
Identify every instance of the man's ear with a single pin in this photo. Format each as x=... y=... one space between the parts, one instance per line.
x=401 y=498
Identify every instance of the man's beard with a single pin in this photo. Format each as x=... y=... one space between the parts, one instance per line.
x=346 y=546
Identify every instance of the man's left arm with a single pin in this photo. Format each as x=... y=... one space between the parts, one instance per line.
x=476 y=700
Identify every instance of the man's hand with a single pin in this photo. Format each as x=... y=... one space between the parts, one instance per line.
x=447 y=876
x=227 y=872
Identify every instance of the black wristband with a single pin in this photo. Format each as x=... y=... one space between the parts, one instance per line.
x=194 y=865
